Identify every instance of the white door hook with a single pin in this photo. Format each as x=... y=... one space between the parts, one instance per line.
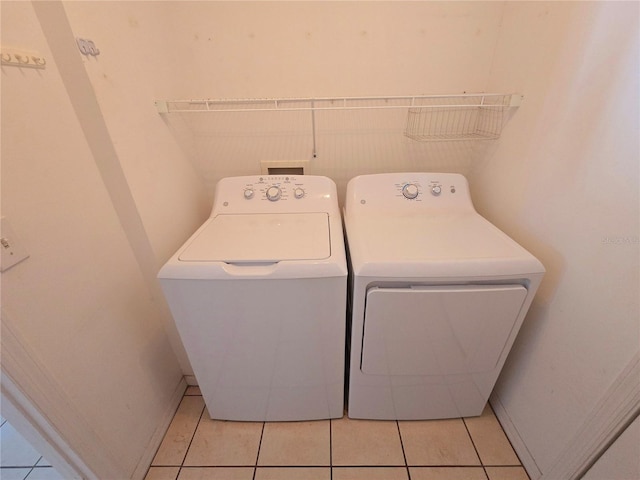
x=87 y=47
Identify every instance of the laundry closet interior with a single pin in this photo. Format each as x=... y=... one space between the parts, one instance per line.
x=119 y=118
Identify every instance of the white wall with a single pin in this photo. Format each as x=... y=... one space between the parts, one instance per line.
x=298 y=49
x=133 y=69
x=137 y=64
x=82 y=308
x=184 y=50
x=564 y=182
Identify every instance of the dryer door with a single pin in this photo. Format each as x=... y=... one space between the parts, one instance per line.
x=438 y=330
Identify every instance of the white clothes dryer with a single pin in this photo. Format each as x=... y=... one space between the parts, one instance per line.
x=258 y=294
x=438 y=295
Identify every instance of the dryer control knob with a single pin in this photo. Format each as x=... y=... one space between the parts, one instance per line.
x=410 y=191
x=436 y=190
x=273 y=193
x=248 y=193
x=298 y=192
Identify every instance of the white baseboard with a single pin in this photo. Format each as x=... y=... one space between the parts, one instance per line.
x=527 y=460
x=154 y=443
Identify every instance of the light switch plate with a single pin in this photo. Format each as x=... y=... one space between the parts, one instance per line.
x=12 y=251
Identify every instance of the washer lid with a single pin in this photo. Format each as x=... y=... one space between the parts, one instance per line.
x=260 y=238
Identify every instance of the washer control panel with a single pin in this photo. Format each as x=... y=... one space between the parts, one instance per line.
x=274 y=188
x=408 y=191
x=274 y=193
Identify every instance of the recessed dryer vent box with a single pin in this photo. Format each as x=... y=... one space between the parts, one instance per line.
x=284 y=167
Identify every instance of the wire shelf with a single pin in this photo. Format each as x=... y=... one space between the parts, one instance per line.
x=429 y=117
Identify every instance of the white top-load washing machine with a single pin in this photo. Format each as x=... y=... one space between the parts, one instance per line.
x=258 y=295
x=438 y=297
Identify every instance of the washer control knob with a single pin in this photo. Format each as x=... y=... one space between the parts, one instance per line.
x=410 y=191
x=273 y=193
x=436 y=190
x=298 y=192
x=248 y=193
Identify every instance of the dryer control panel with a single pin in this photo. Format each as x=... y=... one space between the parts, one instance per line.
x=416 y=188
x=274 y=194
x=398 y=192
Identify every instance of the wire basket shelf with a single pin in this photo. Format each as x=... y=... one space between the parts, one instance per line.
x=457 y=118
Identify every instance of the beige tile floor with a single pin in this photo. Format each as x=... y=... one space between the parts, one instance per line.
x=198 y=448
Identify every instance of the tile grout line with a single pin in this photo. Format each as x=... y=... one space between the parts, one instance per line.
x=27 y=475
x=186 y=452
x=255 y=467
x=404 y=455
x=31 y=468
x=330 y=449
x=464 y=422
